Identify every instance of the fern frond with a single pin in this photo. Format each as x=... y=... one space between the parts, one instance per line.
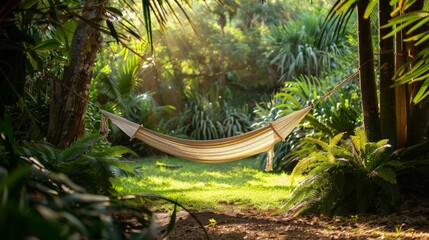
x=44 y=152
x=385 y=173
x=112 y=152
x=303 y=165
x=125 y=167
x=362 y=137
x=336 y=139
x=299 y=198
x=319 y=142
x=79 y=147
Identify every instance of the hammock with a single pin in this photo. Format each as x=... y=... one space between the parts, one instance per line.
x=220 y=150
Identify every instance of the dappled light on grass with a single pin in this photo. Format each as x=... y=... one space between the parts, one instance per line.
x=239 y=184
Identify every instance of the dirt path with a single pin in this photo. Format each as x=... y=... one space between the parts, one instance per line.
x=260 y=225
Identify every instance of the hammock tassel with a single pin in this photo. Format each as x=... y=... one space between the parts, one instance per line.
x=270 y=157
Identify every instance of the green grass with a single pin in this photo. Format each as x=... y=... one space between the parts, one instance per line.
x=201 y=186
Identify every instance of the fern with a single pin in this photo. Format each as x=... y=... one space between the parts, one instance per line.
x=208 y=118
x=89 y=161
x=350 y=176
x=79 y=147
x=111 y=152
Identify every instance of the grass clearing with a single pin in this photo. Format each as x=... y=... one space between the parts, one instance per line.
x=202 y=186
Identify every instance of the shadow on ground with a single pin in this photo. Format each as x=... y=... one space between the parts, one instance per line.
x=253 y=224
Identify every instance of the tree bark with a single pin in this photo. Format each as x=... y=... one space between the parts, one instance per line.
x=69 y=96
x=417 y=116
x=368 y=86
x=402 y=103
x=387 y=71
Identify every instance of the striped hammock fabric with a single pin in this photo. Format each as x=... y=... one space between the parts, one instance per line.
x=220 y=150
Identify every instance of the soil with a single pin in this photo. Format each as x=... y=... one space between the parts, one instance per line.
x=256 y=224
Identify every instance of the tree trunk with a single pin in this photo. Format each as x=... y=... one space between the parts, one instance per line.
x=69 y=96
x=387 y=70
x=418 y=124
x=417 y=116
x=368 y=86
x=402 y=99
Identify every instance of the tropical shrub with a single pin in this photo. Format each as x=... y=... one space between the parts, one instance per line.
x=226 y=51
x=116 y=89
x=89 y=161
x=30 y=119
x=39 y=203
x=144 y=109
x=296 y=50
x=351 y=176
x=340 y=112
x=265 y=112
x=413 y=179
x=206 y=117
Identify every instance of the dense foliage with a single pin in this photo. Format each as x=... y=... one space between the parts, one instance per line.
x=208 y=117
x=89 y=162
x=225 y=70
x=347 y=177
x=41 y=203
x=337 y=114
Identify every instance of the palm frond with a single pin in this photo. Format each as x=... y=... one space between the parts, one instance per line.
x=334 y=26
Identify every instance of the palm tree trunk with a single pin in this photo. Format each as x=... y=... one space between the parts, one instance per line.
x=368 y=86
x=387 y=70
x=402 y=99
x=417 y=118
x=69 y=96
x=418 y=124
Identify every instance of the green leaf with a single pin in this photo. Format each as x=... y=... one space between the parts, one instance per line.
x=61 y=178
x=419 y=68
x=47 y=45
x=422 y=93
x=84 y=198
x=416 y=37
x=345 y=5
x=147 y=20
x=64 y=33
x=15 y=179
x=419 y=24
x=422 y=40
x=112 y=30
x=115 y=11
x=26 y=4
x=369 y=8
x=172 y=223
x=387 y=174
x=76 y=222
x=398 y=28
x=337 y=138
x=319 y=142
x=79 y=147
x=426 y=6
x=121 y=166
x=404 y=21
x=412 y=16
x=303 y=165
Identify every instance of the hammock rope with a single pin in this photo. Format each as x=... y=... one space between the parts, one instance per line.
x=219 y=150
